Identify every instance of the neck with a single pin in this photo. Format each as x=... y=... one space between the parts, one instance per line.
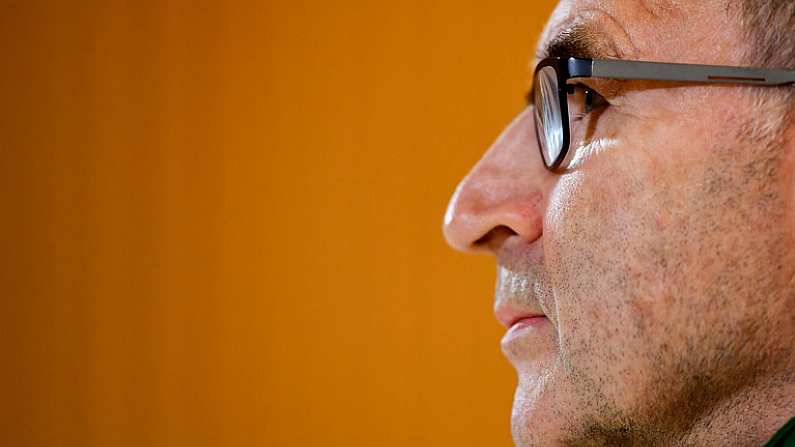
x=750 y=418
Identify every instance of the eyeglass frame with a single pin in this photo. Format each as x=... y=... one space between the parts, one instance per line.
x=574 y=68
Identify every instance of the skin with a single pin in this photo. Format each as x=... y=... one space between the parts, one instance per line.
x=663 y=258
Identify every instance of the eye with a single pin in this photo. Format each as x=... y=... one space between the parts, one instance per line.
x=583 y=100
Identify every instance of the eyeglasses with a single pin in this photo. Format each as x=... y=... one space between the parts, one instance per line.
x=558 y=103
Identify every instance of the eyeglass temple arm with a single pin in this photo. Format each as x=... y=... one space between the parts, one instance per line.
x=657 y=71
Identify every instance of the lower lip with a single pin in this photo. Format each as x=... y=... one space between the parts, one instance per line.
x=524 y=325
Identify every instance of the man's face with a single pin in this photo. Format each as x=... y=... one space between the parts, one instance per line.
x=659 y=261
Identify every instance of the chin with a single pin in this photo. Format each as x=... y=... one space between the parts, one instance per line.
x=535 y=418
x=529 y=429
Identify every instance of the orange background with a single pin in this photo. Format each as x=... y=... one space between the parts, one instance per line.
x=221 y=221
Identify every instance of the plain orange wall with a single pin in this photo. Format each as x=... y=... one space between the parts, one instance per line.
x=221 y=221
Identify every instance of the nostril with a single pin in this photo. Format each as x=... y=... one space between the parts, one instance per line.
x=494 y=238
x=502 y=196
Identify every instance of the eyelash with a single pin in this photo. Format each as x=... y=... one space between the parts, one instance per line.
x=601 y=102
x=593 y=99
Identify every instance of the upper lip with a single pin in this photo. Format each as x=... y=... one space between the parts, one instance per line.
x=515 y=297
x=509 y=315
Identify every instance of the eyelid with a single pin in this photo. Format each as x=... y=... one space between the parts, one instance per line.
x=593 y=100
x=609 y=89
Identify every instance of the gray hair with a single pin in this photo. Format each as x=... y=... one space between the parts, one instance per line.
x=769 y=26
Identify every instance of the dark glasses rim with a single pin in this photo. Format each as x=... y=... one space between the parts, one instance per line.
x=572 y=67
x=561 y=71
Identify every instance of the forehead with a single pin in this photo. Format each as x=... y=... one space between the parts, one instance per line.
x=684 y=31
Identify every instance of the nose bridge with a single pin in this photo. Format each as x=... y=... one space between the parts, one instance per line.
x=506 y=188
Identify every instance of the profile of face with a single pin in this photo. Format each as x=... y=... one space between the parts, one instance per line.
x=648 y=286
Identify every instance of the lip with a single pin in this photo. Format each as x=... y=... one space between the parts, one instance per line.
x=526 y=322
x=516 y=302
x=519 y=321
x=523 y=327
x=509 y=314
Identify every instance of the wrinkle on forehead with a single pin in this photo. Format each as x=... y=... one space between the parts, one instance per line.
x=626 y=24
x=616 y=42
x=657 y=9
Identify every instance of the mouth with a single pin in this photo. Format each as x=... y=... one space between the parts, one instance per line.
x=517 y=302
x=525 y=323
x=511 y=316
x=526 y=335
x=520 y=323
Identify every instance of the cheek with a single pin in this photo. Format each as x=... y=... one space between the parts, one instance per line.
x=581 y=244
x=602 y=242
x=596 y=220
x=609 y=223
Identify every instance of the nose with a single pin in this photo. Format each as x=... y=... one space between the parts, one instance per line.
x=505 y=193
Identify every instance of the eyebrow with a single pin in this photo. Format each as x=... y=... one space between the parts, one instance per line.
x=582 y=41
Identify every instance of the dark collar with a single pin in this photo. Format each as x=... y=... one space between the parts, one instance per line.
x=784 y=437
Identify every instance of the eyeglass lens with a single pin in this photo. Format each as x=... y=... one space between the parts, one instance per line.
x=549 y=124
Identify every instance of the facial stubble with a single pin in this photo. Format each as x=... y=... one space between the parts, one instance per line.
x=721 y=267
